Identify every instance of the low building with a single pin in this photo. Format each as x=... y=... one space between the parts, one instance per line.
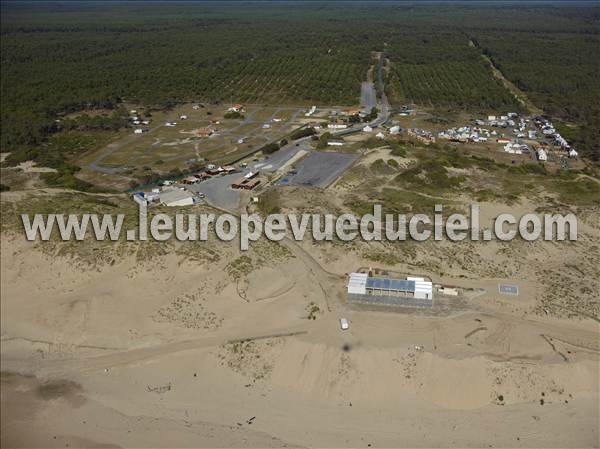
x=190 y=180
x=357 y=283
x=542 y=155
x=421 y=135
x=246 y=183
x=176 y=197
x=204 y=132
x=337 y=126
x=151 y=197
x=395 y=130
x=412 y=292
x=236 y=108
x=139 y=198
x=448 y=291
x=351 y=112
x=515 y=148
x=311 y=111
x=213 y=171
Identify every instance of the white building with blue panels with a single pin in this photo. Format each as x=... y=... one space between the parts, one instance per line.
x=374 y=289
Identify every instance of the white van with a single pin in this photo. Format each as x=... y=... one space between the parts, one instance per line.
x=344 y=324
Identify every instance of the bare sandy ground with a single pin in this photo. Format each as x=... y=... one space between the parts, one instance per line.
x=31 y=167
x=173 y=352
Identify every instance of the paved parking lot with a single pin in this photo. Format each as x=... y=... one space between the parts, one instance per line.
x=278 y=159
x=218 y=191
x=319 y=169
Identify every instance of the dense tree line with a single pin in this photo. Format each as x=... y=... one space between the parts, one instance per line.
x=65 y=67
x=558 y=72
x=303 y=132
x=60 y=58
x=443 y=70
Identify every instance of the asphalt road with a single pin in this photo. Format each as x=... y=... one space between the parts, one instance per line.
x=368 y=98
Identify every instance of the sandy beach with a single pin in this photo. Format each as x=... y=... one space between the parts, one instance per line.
x=171 y=352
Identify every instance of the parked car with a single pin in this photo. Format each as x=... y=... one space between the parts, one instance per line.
x=344 y=324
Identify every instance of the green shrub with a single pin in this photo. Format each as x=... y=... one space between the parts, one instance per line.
x=270 y=148
x=397 y=149
x=528 y=168
x=304 y=132
x=381 y=167
x=233 y=115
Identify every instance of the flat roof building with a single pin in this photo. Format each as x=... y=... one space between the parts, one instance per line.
x=358 y=283
x=139 y=198
x=190 y=180
x=204 y=132
x=176 y=197
x=411 y=291
x=246 y=183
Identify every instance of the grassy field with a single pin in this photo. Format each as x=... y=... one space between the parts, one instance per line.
x=164 y=149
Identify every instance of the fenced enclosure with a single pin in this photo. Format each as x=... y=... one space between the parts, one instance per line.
x=401 y=301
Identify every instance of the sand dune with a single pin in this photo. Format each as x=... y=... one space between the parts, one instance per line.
x=171 y=352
